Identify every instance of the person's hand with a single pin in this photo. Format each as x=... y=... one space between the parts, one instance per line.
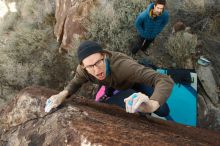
x=134 y=102
x=149 y=107
x=139 y=102
x=55 y=100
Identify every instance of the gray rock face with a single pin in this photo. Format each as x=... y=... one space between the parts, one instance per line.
x=208 y=115
x=208 y=81
x=80 y=121
x=208 y=98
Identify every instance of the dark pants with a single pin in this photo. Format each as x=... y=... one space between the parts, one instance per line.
x=163 y=110
x=142 y=44
x=118 y=99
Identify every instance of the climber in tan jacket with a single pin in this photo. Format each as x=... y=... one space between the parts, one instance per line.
x=117 y=70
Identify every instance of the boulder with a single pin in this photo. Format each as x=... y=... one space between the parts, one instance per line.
x=81 y=121
x=206 y=75
x=208 y=115
x=69 y=16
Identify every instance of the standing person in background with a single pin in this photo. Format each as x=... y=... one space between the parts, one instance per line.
x=149 y=24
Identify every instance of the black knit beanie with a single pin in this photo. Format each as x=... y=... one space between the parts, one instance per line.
x=88 y=48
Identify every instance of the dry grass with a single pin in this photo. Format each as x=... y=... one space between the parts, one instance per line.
x=114 y=27
x=181 y=46
x=29 y=51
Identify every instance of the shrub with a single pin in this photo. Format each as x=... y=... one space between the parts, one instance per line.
x=181 y=46
x=114 y=26
x=9 y=23
x=213 y=25
x=189 y=6
x=32 y=58
x=29 y=52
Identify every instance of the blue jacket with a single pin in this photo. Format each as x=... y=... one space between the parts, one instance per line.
x=149 y=28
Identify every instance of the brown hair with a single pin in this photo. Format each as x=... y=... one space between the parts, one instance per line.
x=162 y=2
x=178 y=26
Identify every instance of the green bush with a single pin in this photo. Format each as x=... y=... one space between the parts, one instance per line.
x=114 y=26
x=181 y=46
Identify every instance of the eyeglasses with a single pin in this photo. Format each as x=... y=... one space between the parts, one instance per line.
x=98 y=64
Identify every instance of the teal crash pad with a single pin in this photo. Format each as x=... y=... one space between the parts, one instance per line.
x=183 y=102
